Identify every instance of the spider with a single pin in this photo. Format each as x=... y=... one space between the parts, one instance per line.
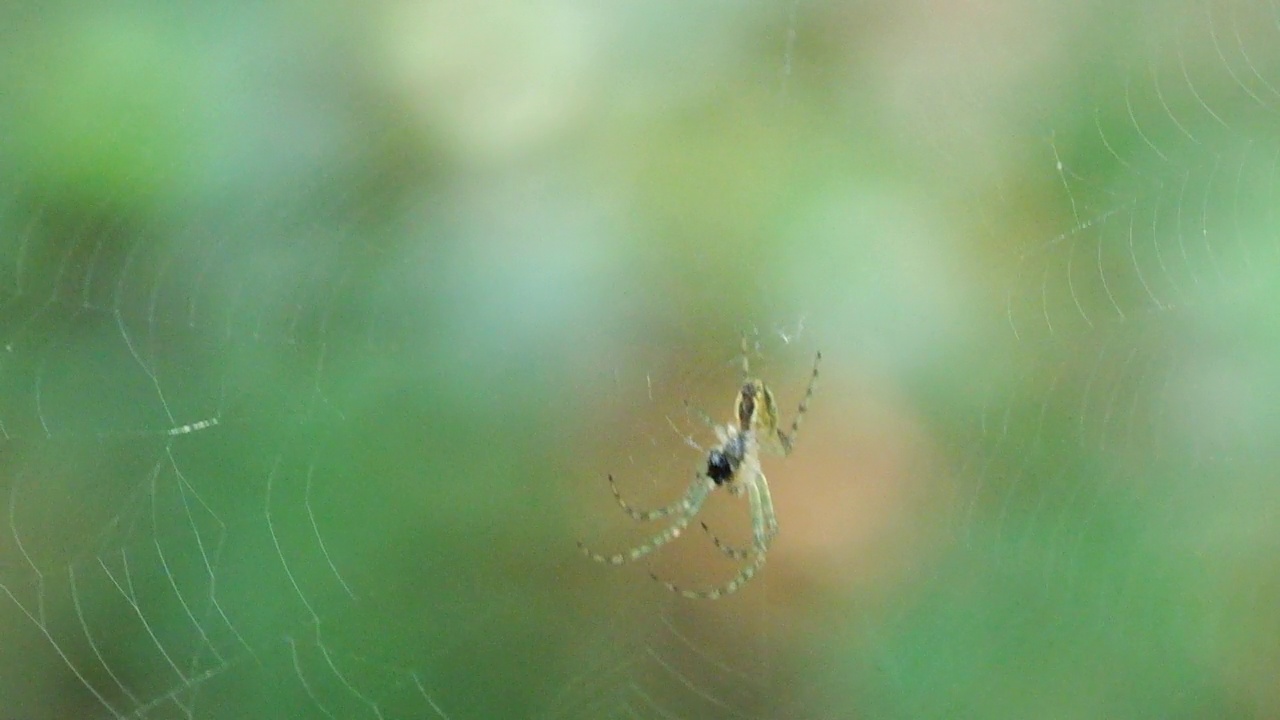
x=733 y=462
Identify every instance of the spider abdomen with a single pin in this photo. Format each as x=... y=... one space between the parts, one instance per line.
x=720 y=467
x=723 y=462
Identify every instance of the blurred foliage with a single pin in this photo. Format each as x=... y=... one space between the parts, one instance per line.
x=323 y=324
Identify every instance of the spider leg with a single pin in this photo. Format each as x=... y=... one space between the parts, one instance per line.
x=688 y=440
x=643 y=515
x=720 y=591
x=762 y=537
x=766 y=518
x=688 y=506
x=747 y=347
x=700 y=414
x=787 y=440
x=732 y=552
x=764 y=524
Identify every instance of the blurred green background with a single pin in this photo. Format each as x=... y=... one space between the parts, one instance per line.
x=324 y=323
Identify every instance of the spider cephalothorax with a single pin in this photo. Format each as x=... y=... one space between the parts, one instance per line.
x=732 y=462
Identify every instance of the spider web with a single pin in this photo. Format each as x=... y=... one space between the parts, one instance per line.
x=1116 y=511
x=303 y=443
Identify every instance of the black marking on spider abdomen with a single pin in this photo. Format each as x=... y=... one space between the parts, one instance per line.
x=720 y=467
x=723 y=462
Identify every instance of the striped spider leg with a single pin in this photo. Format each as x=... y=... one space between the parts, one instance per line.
x=765 y=423
x=733 y=462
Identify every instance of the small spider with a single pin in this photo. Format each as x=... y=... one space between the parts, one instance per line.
x=733 y=462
